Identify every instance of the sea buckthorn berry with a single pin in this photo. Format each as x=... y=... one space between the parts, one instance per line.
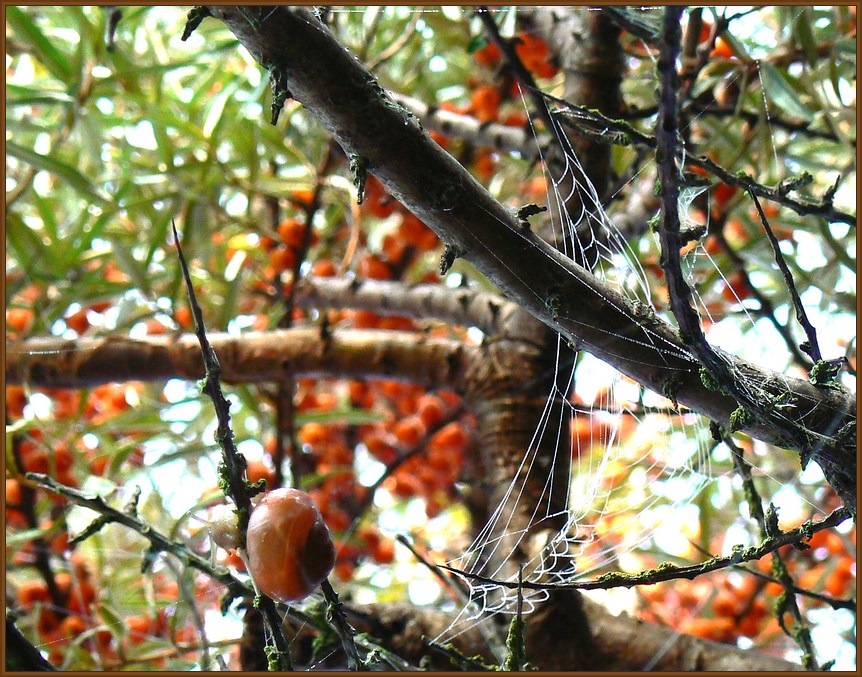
x=290 y=551
x=485 y=103
x=489 y=55
x=257 y=470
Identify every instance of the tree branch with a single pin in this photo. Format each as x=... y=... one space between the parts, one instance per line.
x=466 y=307
x=322 y=75
x=249 y=358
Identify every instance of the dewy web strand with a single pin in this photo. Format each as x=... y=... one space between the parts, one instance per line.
x=585 y=544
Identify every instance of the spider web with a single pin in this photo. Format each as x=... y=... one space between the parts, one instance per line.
x=641 y=463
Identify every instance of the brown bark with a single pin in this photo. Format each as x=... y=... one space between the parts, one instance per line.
x=345 y=97
x=570 y=633
x=255 y=357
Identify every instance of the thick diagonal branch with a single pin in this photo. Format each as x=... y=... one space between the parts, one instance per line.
x=346 y=98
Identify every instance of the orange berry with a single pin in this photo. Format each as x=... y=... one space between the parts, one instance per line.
x=303 y=197
x=324 y=268
x=773 y=589
x=725 y=604
x=379 y=447
x=314 y=433
x=736 y=287
x=344 y=570
x=484 y=166
x=16 y=400
x=338 y=520
x=78 y=322
x=81 y=597
x=409 y=431
x=289 y=547
x=723 y=193
x=394 y=248
x=845 y=568
x=451 y=436
x=72 y=626
x=140 y=628
x=440 y=139
x=373 y=268
x=268 y=243
x=535 y=55
x=722 y=49
x=515 y=120
x=30 y=593
x=19 y=318
x=183 y=317
x=13 y=493
x=836 y=584
x=485 y=103
x=257 y=470
x=282 y=258
x=292 y=232
x=384 y=552
x=430 y=409
x=488 y=56
x=48 y=623
x=155 y=327
x=412 y=229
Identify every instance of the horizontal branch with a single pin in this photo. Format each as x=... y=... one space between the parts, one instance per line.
x=349 y=102
x=248 y=358
x=466 y=307
x=670 y=572
x=504 y=138
x=566 y=633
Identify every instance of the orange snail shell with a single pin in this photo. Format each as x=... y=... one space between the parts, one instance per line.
x=290 y=551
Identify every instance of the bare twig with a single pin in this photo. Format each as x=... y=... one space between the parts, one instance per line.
x=669 y=572
x=813 y=347
x=609 y=130
x=232 y=472
x=768 y=524
x=335 y=615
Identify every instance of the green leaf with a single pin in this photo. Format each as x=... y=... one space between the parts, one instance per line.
x=66 y=172
x=216 y=109
x=130 y=265
x=476 y=43
x=805 y=35
x=27 y=247
x=18 y=95
x=779 y=90
x=54 y=60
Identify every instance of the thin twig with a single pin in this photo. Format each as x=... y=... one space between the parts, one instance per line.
x=516 y=65
x=849 y=604
x=813 y=347
x=397 y=45
x=669 y=572
x=338 y=620
x=233 y=462
x=452 y=582
x=608 y=130
x=768 y=524
x=766 y=308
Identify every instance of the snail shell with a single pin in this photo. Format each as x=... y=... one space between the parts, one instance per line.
x=290 y=551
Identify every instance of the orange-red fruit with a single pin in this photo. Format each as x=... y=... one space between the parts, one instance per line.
x=78 y=321
x=259 y=470
x=19 y=318
x=485 y=103
x=290 y=550
x=488 y=56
